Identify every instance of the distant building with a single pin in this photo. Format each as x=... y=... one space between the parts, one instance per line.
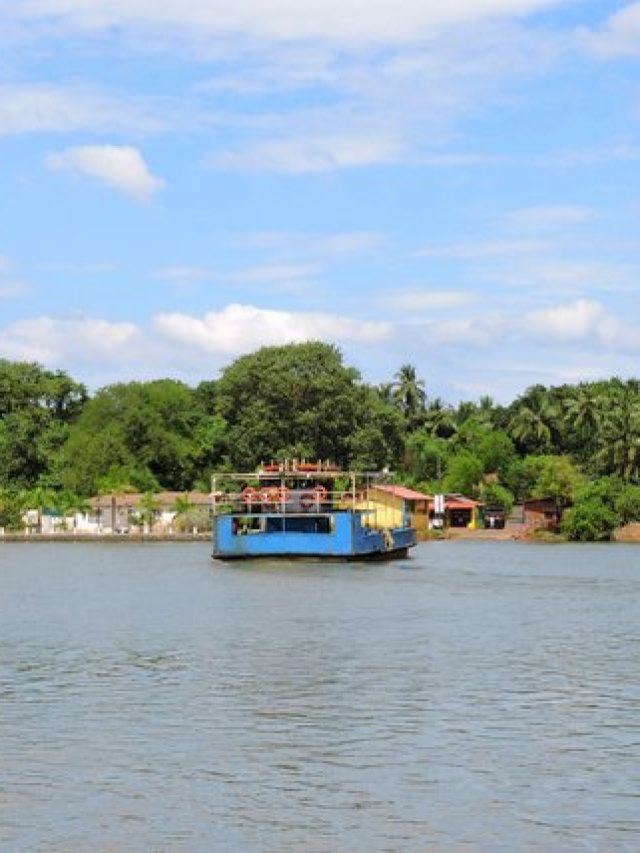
x=460 y=511
x=118 y=513
x=391 y=506
x=541 y=514
x=394 y=506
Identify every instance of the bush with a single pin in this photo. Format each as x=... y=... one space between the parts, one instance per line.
x=590 y=520
x=627 y=504
x=10 y=510
x=493 y=494
x=464 y=474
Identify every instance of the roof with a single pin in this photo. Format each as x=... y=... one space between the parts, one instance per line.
x=164 y=499
x=533 y=501
x=403 y=492
x=460 y=502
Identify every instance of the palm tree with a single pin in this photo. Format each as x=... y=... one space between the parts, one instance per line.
x=583 y=412
x=181 y=507
x=409 y=392
x=68 y=502
x=582 y=409
x=619 y=437
x=386 y=392
x=535 y=420
x=487 y=409
x=440 y=420
x=147 y=510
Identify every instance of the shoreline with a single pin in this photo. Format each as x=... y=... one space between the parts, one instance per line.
x=630 y=534
x=107 y=538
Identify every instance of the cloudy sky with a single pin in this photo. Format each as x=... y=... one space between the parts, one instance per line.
x=454 y=185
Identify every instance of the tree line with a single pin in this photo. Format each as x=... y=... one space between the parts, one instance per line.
x=576 y=444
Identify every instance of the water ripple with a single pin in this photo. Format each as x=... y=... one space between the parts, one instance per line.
x=487 y=699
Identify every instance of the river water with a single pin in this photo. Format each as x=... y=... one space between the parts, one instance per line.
x=479 y=696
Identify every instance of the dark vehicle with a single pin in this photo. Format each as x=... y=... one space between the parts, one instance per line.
x=494 y=517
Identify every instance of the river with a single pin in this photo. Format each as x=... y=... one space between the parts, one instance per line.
x=479 y=696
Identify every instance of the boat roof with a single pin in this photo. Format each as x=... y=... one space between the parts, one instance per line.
x=269 y=473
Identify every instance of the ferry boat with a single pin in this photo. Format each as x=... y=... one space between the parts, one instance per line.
x=304 y=509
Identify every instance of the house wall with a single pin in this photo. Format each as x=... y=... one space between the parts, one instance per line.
x=541 y=516
x=384 y=510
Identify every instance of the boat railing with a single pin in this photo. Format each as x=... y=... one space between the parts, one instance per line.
x=284 y=502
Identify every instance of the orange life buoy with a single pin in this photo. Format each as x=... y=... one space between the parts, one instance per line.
x=307 y=500
x=270 y=495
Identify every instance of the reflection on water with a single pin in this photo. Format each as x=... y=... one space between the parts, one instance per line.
x=482 y=695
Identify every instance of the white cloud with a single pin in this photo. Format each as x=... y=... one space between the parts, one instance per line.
x=275 y=273
x=511 y=348
x=424 y=300
x=119 y=166
x=570 y=322
x=356 y=22
x=553 y=275
x=314 y=153
x=550 y=217
x=70 y=342
x=620 y=36
x=33 y=108
x=382 y=109
x=483 y=249
x=239 y=329
x=467 y=332
x=13 y=289
x=582 y=321
x=316 y=244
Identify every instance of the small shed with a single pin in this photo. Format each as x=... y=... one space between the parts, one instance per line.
x=542 y=514
x=461 y=511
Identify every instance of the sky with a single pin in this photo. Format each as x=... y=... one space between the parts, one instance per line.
x=450 y=185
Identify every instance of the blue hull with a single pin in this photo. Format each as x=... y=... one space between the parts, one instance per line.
x=334 y=536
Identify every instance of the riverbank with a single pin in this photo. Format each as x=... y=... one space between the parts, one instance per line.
x=516 y=533
x=105 y=537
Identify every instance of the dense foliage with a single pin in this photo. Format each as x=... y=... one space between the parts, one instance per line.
x=576 y=444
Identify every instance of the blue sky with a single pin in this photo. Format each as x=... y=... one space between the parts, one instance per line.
x=450 y=185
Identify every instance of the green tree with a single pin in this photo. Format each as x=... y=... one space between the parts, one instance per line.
x=493 y=494
x=593 y=516
x=147 y=511
x=10 y=509
x=590 y=520
x=158 y=432
x=534 y=420
x=464 y=474
x=627 y=505
x=40 y=499
x=182 y=506
x=554 y=477
x=426 y=457
x=37 y=407
x=300 y=401
x=619 y=437
x=409 y=393
x=440 y=420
